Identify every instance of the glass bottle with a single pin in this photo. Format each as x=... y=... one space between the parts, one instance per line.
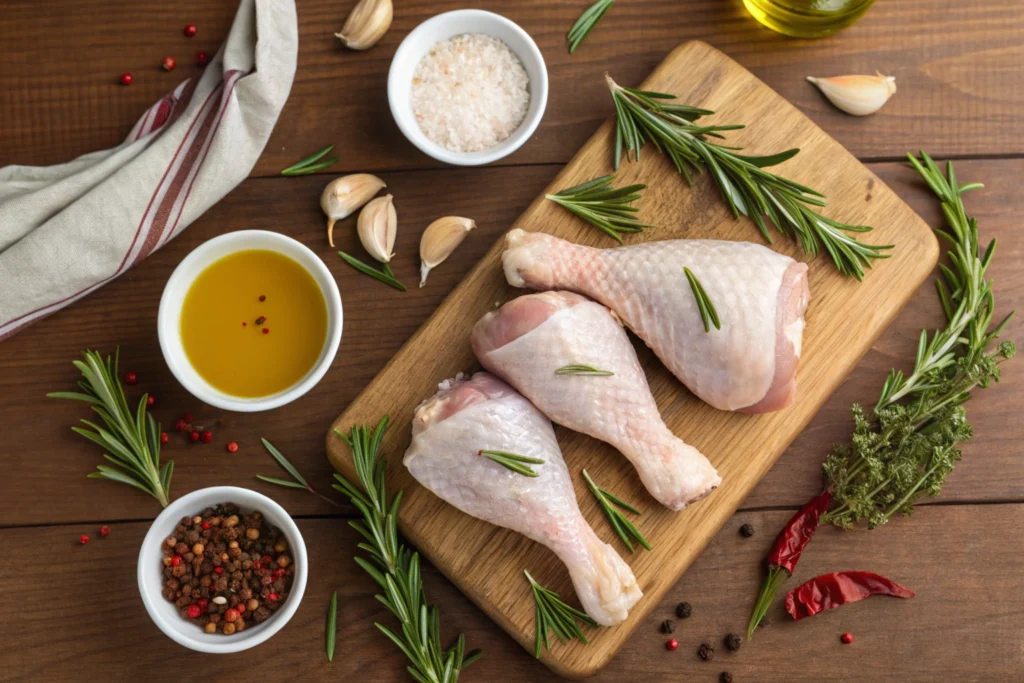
x=807 y=18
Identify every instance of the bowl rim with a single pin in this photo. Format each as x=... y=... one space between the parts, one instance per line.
x=197 y=500
x=538 y=89
x=322 y=276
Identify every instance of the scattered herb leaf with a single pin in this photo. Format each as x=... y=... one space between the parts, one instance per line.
x=552 y=615
x=708 y=314
x=587 y=21
x=610 y=503
x=310 y=165
x=579 y=369
x=516 y=463
x=332 y=626
x=384 y=275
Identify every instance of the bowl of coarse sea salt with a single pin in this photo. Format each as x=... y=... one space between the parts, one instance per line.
x=468 y=87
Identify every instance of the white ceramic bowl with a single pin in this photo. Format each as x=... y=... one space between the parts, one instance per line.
x=169 y=317
x=165 y=614
x=442 y=27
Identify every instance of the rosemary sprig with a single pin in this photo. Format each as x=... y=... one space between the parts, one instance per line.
x=332 y=626
x=587 y=21
x=610 y=503
x=299 y=481
x=748 y=189
x=708 y=314
x=395 y=567
x=384 y=275
x=579 y=369
x=309 y=164
x=131 y=441
x=552 y=615
x=516 y=463
x=603 y=206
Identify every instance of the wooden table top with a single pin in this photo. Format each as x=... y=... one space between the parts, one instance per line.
x=73 y=612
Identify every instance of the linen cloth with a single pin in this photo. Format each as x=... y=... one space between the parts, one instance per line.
x=66 y=230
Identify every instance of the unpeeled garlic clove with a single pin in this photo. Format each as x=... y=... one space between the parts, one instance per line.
x=343 y=196
x=378 y=227
x=439 y=241
x=857 y=95
x=368 y=22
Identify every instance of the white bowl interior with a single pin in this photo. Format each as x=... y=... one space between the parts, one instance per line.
x=169 y=317
x=442 y=27
x=150 y=575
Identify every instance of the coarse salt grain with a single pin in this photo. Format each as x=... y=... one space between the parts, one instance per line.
x=470 y=92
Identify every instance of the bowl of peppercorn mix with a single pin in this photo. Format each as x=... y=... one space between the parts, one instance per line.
x=222 y=569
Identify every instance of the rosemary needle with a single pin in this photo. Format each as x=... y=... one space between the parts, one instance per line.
x=552 y=615
x=517 y=463
x=708 y=314
x=332 y=626
x=586 y=370
x=385 y=275
x=310 y=165
x=610 y=503
x=603 y=206
x=587 y=21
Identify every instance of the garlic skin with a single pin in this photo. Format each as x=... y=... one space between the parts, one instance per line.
x=343 y=196
x=378 y=227
x=439 y=241
x=857 y=95
x=367 y=24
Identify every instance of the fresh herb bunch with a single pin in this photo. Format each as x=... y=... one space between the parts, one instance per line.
x=645 y=116
x=605 y=207
x=907 y=446
x=587 y=21
x=395 y=567
x=612 y=506
x=132 y=441
x=553 y=615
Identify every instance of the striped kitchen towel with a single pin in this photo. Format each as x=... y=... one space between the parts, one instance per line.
x=66 y=230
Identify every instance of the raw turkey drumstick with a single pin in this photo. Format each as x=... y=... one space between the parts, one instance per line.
x=483 y=413
x=528 y=340
x=760 y=296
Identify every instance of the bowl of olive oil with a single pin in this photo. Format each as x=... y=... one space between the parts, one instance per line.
x=807 y=18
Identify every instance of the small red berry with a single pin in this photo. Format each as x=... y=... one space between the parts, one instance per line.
x=190 y=30
x=202 y=58
x=206 y=525
x=218 y=570
x=83 y=539
x=271 y=596
x=150 y=400
x=266 y=330
x=232 y=447
x=194 y=611
x=104 y=530
x=126 y=79
x=207 y=436
x=847 y=638
x=202 y=602
x=231 y=615
x=671 y=644
x=263 y=297
x=131 y=377
x=187 y=417
x=180 y=426
x=168 y=64
x=164 y=438
x=176 y=560
x=194 y=437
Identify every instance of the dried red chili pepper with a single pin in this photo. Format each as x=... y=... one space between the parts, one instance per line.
x=829 y=591
x=789 y=545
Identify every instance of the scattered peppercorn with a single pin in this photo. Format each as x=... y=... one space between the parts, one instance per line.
x=671 y=644
x=260 y=320
x=104 y=530
x=202 y=58
x=732 y=642
x=706 y=652
x=266 y=330
x=190 y=31
x=847 y=638
x=747 y=530
x=194 y=437
x=181 y=426
x=683 y=610
x=83 y=539
x=194 y=611
x=131 y=377
x=126 y=79
x=164 y=438
x=668 y=626
x=150 y=400
x=232 y=447
x=725 y=677
x=168 y=64
x=207 y=436
x=263 y=297
x=187 y=417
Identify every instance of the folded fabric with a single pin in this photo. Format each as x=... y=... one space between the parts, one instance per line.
x=66 y=230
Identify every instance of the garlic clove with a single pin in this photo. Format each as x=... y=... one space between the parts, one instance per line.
x=378 y=227
x=368 y=22
x=857 y=95
x=439 y=241
x=343 y=196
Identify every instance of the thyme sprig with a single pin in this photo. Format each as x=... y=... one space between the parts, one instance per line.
x=610 y=504
x=580 y=369
x=519 y=464
x=708 y=314
x=310 y=164
x=748 y=189
x=131 y=440
x=395 y=567
x=587 y=21
x=385 y=275
x=906 y=447
x=605 y=207
x=552 y=615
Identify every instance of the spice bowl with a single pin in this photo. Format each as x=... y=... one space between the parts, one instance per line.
x=150 y=575
x=440 y=28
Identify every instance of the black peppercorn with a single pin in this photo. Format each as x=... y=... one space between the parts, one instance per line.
x=706 y=652
x=747 y=530
x=668 y=626
x=683 y=610
x=725 y=677
x=732 y=642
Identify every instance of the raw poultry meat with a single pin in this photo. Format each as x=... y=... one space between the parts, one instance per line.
x=529 y=338
x=466 y=416
x=760 y=297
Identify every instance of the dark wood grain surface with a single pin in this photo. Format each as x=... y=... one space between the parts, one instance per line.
x=70 y=612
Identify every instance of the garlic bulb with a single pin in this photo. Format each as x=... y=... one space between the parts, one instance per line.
x=378 y=227
x=857 y=95
x=343 y=196
x=368 y=22
x=439 y=241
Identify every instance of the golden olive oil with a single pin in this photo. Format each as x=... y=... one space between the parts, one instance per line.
x=807 y=18
x=253 y=323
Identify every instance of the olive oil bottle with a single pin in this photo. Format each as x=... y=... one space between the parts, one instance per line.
x=807 y=18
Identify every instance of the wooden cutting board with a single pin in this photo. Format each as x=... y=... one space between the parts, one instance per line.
x=843 y=320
